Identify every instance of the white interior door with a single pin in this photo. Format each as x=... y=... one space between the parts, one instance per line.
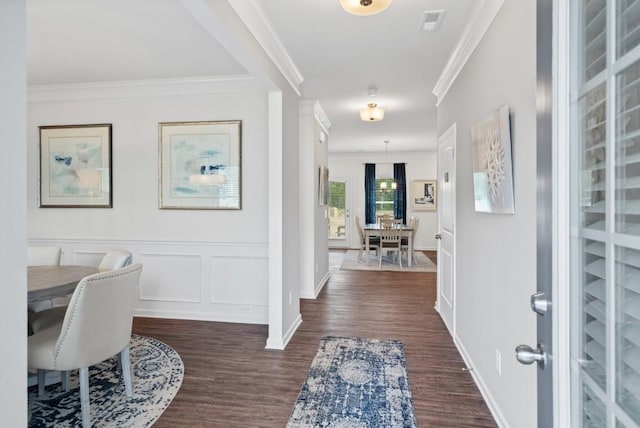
x=445 y=303
x=338 y=207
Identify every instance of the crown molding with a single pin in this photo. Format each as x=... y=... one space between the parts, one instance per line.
x=142 y=88
x=481 y=18
x=256 y=20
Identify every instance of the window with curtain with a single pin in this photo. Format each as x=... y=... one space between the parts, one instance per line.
x=384 y=198
x=385 y=195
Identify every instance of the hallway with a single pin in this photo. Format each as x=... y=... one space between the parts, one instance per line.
x=232 y=381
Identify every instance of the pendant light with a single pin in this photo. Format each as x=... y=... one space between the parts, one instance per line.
x=383 y=184
x=364 y=7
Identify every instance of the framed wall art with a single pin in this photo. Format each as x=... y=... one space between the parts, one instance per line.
x=75 y=166
x=200 y=165
x=323 y=186
x=492 y=164
x=423 y=195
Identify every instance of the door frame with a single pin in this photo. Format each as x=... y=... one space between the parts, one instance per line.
x=451 y=130
x=561 y=312
x=346 y=242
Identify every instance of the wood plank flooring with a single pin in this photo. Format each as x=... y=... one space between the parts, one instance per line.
x=232 y=381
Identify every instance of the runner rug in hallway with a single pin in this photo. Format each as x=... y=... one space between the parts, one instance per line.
x=156 y=371
x=351 y=262
x=355 y=382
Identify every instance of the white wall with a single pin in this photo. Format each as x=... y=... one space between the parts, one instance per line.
x=496 y=254
x=419 y=166
x=314 y=247
x=13 y=227
x=198 y=264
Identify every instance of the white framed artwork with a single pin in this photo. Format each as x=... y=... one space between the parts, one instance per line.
x=492 y=164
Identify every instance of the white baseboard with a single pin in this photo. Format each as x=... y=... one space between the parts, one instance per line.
x=238 y=317
x=321 y=285
x=482 y=386
x=281 y=343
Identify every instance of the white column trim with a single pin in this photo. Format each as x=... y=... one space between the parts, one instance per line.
x=481 y=17
x=276 y=245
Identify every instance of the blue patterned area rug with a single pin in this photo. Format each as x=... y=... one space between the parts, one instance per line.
x=355 y=383
x=157 y=372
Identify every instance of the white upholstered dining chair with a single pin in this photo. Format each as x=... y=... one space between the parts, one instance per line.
x=42 y=256
x=113 y=260
x=96 y=326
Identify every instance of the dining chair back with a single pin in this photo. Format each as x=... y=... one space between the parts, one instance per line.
x=390 y=240
x=115 y=259
x=373 y=242
x=43 y=256
x=414 y=222
x=97 y=325
x=39 y=320
x=383 y=217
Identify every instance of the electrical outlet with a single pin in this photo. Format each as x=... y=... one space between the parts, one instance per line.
x=498 y=362
x=290 y=297
x=316 y=267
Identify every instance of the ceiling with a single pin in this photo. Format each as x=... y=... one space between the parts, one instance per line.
x=339 y=55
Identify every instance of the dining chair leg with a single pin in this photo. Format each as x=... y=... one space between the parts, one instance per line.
x=41 y=376
x=84 y=397
x=64 y=376
x=126 y=370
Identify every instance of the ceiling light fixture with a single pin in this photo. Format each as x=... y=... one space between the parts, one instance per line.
x=364 y=7
x=372 y=113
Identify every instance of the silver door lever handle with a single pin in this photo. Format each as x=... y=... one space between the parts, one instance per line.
x=527 y=355
x=438 y=236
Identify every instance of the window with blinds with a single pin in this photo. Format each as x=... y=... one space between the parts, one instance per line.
x=606 y=214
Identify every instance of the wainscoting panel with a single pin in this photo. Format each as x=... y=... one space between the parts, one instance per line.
x=171 y=277
x=211 y=281
x=233 y=279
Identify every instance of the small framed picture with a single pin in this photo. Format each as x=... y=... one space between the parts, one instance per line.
x=323 y=186
x=200 y=165
x=423 y=195
x=75 y=166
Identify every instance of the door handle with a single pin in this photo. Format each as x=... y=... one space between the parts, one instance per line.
x=539 y=303
x=438 y=236
x=527 y=355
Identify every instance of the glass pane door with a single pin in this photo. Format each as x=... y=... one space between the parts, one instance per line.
x=338 y=212
x=605 y=152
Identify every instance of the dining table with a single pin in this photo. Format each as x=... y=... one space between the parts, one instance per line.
x=373 y=229
x=47 y=282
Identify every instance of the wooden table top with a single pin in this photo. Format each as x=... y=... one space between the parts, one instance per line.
x=45 y=282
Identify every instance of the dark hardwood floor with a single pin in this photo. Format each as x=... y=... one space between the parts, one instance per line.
x=231 y=380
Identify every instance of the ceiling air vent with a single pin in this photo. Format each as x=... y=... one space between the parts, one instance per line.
x=431 y=20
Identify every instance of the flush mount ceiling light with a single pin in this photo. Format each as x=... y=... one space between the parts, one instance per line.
x=364 y=7
x=372 y=113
